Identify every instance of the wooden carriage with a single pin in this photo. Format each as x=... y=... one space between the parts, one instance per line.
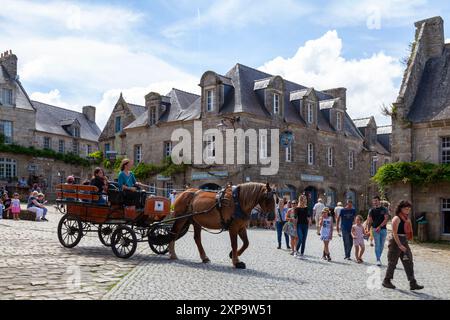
x=117 y=225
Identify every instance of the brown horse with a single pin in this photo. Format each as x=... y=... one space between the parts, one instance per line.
x=201 y=205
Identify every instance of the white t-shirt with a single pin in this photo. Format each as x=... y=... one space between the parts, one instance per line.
x=318 y=208
x=172 y=198
x=337 y=211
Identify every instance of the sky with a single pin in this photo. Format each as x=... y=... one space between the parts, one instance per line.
x=76 y=53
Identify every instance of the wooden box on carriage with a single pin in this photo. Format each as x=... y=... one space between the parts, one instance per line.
x=157 y=207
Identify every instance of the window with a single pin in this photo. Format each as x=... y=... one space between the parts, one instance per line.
x=373 y=166
x=339 y=121
x=47 y=143
x=289 y=153
x=168 y=187
x=445 y=150
x=445 y=206
x=6 y=97
x=118 y=124
x=310 y=113
x=107 y=148
x=351 y=159
x=263 y=146
x=75 y=147
x=61 y=146
x=209 y=100
x=76 y=132
x=152 y=188
x=276 y=103
x=310 y=154
x=8 y=168
x=211 y=146
x=167 y=148
x=152 y=116
x=6 y=130
x=330 y=156
x=137 y=153
x=89 y=149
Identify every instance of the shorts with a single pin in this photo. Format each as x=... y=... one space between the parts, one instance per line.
x=358 y=242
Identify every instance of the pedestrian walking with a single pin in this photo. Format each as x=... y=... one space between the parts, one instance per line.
x=398 y=247
x=378 y=219
x=326 y=232
x=280 y=217
x=337 y=210
x=317 y=212
x=358 y=233
x=346 y=219
x=303 y=223
x=290 y=226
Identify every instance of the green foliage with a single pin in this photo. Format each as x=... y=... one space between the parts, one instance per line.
x=418 y=173
x=114 y=165
x=166 y=168
x=69 y=158
x=97 y=156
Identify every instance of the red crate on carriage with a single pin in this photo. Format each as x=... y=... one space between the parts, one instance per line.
x=157 y=207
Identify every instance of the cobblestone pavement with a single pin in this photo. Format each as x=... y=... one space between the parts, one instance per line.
x=274 y=274
x=35 y=266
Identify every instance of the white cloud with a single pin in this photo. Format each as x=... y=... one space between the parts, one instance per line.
x=53 y=97
x=374 y=13
x=239 y=13
x=319 y=63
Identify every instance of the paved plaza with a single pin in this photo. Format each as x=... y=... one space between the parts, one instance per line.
x=35 y=266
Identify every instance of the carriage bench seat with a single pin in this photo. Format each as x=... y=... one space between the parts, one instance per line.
x=77 y=193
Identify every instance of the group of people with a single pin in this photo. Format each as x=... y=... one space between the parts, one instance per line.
x=293 y=219
x=10 y=207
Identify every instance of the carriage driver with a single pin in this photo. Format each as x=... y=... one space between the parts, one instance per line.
x=128 y=184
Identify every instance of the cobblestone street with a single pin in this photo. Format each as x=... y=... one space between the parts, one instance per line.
x=36 y=266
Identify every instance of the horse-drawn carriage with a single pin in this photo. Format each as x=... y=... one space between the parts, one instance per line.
x=118 y=226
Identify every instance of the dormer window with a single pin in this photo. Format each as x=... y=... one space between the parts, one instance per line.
x=152 y=119
x=76 y=132
x=310 y=113
x=276 y=103
x=6 y=97
x=339 y=121
x=209 y=100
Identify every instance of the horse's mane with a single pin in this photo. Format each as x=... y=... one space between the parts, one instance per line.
x=249 y=195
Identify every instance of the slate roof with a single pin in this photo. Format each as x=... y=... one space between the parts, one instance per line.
x=432 y=101
x=362 y=122
x=136 y=109
x=183 y=106
x=384 y=130
x=384 y=134
x=50 y=119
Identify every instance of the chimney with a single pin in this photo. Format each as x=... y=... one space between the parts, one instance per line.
x=433 y=36
x=89 y=112
x=9 y=61
x=338 y=93
x=153 y=102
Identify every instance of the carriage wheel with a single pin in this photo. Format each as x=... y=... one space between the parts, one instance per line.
x=70 y=231
x=123 y=242
x=105 y=232
x=159 y=238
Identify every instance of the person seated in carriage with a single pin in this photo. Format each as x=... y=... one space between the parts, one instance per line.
x=129 y=185
x=101 y=182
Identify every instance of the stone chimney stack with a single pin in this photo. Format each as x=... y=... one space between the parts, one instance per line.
x=432 y=37
x=9 y=61
x=338 y=93
x=153 y=102
x=89 y=112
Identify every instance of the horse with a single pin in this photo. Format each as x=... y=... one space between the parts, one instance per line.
x=204 y=210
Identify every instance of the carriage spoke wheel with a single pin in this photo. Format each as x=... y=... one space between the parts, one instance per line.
x=123 y=242
x=105 y=233
x=70 y=231
x=159 y=238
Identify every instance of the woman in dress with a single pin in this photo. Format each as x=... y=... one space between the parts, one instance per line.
x=326 y=232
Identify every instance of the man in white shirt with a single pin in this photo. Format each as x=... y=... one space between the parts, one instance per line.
x=337 y=210
x=317 y=213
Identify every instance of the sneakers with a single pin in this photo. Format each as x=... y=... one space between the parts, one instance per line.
x=414 y=286
x=379 y=263
x=279 y=247
x=388 y=284
x=44 y=219
x=328 y=257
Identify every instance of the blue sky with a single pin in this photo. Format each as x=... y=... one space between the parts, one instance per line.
x=86 y=52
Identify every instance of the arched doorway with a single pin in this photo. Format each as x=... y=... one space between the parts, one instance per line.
x=210 y=187
x=330 y=195
x=311 y=195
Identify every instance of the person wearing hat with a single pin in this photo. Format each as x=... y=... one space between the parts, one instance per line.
x=41 y=200
x=70 y=180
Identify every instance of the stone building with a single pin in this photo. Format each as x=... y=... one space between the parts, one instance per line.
x=328 y=155
x=421 y=123
x=34 y=124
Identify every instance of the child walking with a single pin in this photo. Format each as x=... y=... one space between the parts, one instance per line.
x=358 y=233
x=326 y=232
x=15 y=206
